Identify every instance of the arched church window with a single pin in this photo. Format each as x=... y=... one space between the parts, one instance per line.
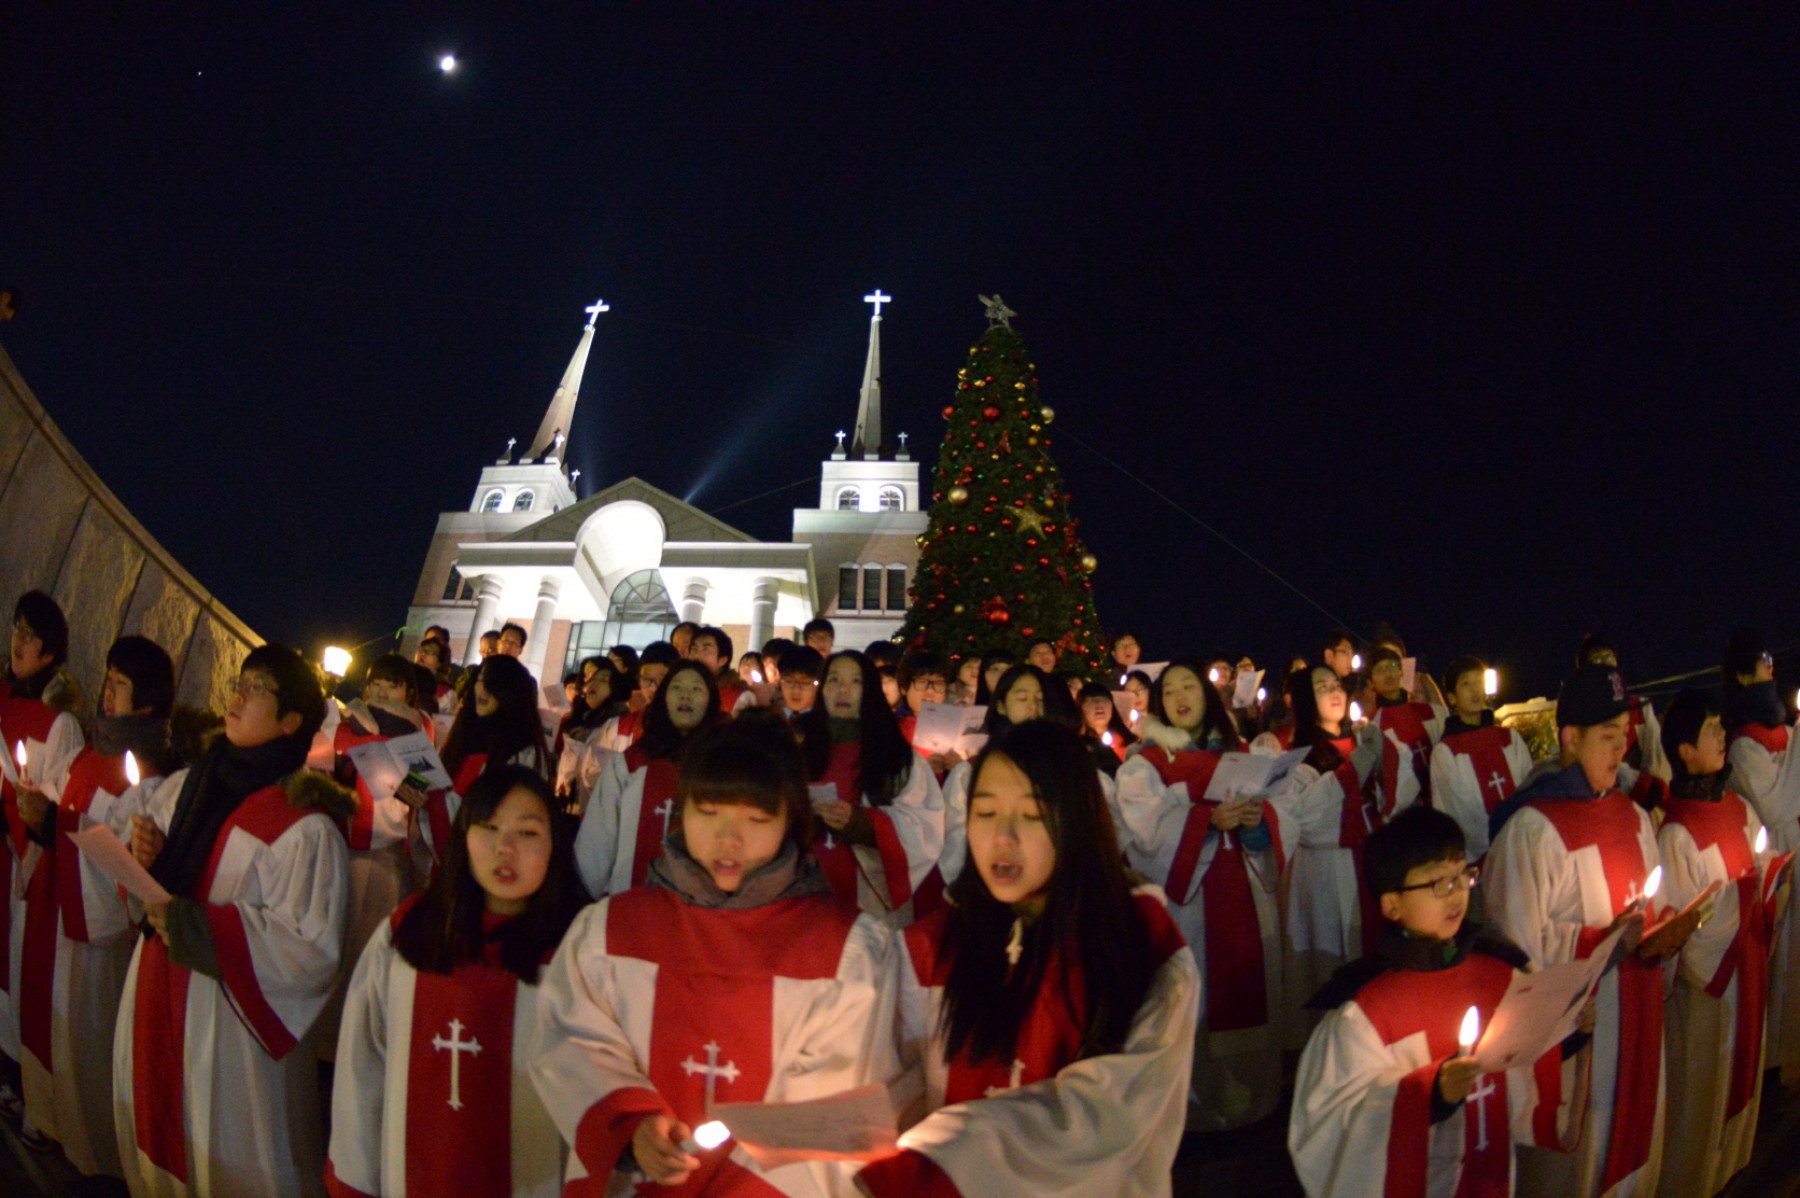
x=638 y=612
x=893 y=499
x=849 y=499
x=491 y=501
x=896 y=588
x=522 y=501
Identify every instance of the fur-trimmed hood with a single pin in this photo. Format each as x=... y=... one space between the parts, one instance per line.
x=310 y=790
x=62 y=693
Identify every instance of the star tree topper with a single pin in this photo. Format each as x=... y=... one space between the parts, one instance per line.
x=1030 y=520
x=997 y=311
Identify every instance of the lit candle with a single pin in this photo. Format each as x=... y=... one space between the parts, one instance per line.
x=756 y=677
x=1134 y=716
x=1355 y=712
x=1262 y=693
x=1356 y=661
x=1490 y=682
x=1124 y=678
x=1762 y=841
x=707 y=1135
x=19 y=756
x=1654 y=883
x=1212 y=676
x=131 y=769
x=1106 y=739
x=337 y=661
x=1471 y=1030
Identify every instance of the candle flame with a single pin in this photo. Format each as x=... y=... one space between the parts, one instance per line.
x=19 y=754
x=337 y=661
x=1654 y=883
x=1262 y=692
x=1356 y=661
x=1471 y=1029
x=1124 y=678
x=756 y=677
x=1490 y=682
x=1134 y=716
x=1212 y=676
x=1762 y=841
x=1106 y=739
x=131 y=769
x=711 y=1135
x=1356 y=713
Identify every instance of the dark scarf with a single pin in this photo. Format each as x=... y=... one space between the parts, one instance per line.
x=217 y=785
x=1757 y=703
x=789 y=875
x=1455 y=723
x=1394 y=949
x=1704 y=788
x=146 y=737
x=32 y=687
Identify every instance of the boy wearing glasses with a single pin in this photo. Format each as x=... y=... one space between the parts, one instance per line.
x=1387 y=1101
x=1570 y=863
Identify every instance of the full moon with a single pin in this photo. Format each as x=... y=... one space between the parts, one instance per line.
x=447 y=63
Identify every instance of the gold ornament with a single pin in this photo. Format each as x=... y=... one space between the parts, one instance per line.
x=1089 y=563
x=1048 y=413
x=958 y=609
x=1031 y=440
x=1018 y=386
x=959 y=494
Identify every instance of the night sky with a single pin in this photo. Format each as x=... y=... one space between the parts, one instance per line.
x=1485 y=326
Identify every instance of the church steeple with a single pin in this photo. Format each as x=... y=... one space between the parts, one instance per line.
x=553 y=433
x=871 y=422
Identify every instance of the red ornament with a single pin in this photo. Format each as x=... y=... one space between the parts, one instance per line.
x=1043 y=561
x=1027 y=632
x=1005 y=522
x=949 y=411
x=991 y=412
x=1031 y=542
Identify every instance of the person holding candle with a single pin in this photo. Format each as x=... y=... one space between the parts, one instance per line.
x=1477 y=765
x=432 y=1094
x=1389 y=1097
x=215 y=1078
x=1102 y=725
x=1217 y=860
x=1052 y=1007
x=880 y=825
x=633 y=805
x=1717 y=1012
x=733 y=976
x=1570 y=863
x=76 y=944
x=40 y=737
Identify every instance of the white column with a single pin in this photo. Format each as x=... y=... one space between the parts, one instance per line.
x=541 y=621
x=762 y=613
x=487 y=607
x=693 y=599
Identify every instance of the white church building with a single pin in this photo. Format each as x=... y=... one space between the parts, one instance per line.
x=627 y=563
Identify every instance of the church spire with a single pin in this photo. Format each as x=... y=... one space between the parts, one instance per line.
x=553 y=433
x=871 y=421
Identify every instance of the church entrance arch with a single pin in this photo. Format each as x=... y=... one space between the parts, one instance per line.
x=639 y=611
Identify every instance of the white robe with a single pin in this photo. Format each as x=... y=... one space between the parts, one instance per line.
x=70 y=1012
x=653 y=1005
x=1714 y=1141
x=476 y=1124
x=1101 y=1127
x=1555 y=903
x=230 y=1104
x=1237 y=1072
x=1503 y=759
x=1769 y=780
x=618 y=837
x=909 y=837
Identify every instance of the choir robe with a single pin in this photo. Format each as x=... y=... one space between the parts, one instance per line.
x=1329 y=917
x=1643 y=741
x=215 y=1081
x=77 y=949
x=1046 y=1123
x=1473 y=771
x=654 y=1005
x=1411 y=731
x=909 y=838
x=1717 y=1010
x=1361 y=1124
x=432 y=1094
x=51 y=738
x=623 y=829
x=1768 y=777
x=579 y=767
x=1559 y=871
x=1221 y=889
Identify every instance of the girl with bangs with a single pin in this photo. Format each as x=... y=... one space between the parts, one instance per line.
x=733 y=976
x=880 y=814
x=431 y=1094
x=1216 y=858
x=1052 y=1007
x=631 y=812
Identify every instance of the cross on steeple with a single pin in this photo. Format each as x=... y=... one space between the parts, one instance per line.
x=456 y=1046
x=878 y=299
x=598 y=307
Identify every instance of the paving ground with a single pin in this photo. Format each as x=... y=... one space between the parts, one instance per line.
x=1251 y=1163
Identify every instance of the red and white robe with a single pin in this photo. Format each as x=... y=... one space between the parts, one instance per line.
x=1361 y=1121
x=1222 y=895
x=215 y=1082
x=655 y=1006
x=1473 y=772
x=623 y=829
x=1047 y=1123
x=1720 y=1001
x=1558 y=874
x=51 y=740
x=1768 y=777
x=432 y=1094
x=909 y=838
x=1410 y=732
x=77 y=949
x=1643 y=737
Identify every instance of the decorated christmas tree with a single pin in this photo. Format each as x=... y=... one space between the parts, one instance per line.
x=1001 y=560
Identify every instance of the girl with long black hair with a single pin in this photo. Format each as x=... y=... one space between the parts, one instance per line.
x=431 y=1094
x=1052 y=1007
x=496 y=724
x=880 y=824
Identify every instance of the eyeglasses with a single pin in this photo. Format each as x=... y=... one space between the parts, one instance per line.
x=931 y=686
x=1445 y=887
x=252 y=687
